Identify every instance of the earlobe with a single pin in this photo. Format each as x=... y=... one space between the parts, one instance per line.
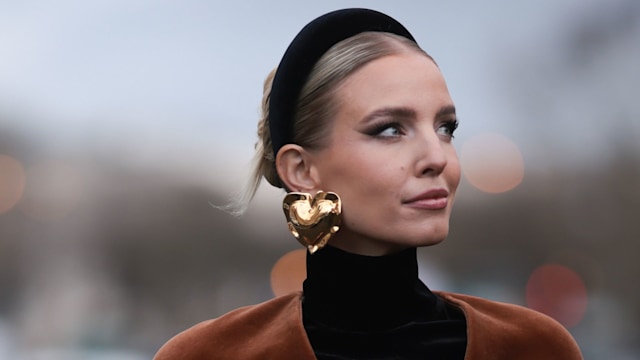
x=293 y=164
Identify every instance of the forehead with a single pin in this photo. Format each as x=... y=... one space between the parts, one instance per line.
x=407 y=79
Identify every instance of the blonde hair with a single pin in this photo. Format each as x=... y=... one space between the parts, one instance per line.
x=316 y=104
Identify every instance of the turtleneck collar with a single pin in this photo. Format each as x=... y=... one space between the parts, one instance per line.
x=349 y=291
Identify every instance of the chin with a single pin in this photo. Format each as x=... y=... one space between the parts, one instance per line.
x=430 y=242
x=434 y=236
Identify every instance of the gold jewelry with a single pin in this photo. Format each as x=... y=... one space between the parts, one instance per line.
x=312 y=220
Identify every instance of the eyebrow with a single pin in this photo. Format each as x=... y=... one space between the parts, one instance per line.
x=446 y=110
x=405 y=112
x=402 y=112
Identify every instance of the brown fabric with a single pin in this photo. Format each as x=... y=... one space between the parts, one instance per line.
x=271 y=330
x=504 y=331
x=274 y=330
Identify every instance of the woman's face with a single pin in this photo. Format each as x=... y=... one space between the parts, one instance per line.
x=390 y=156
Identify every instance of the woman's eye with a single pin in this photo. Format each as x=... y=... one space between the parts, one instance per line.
x=388 y=130
x=448 y=128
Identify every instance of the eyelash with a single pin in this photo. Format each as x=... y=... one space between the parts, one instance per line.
x=449 y=125
x=380 y=128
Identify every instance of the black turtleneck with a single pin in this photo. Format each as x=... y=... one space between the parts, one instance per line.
x=375 y=307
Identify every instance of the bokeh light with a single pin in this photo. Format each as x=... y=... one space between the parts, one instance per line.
x=559 y=292
x=12 y=182
x=492 y=163
x=289 y=272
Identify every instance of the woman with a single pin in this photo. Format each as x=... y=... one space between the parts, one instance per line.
x=357 y=109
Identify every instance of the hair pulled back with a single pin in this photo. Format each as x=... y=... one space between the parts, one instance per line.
x=317 y=104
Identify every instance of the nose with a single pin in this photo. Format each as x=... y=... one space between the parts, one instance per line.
x=431 y=154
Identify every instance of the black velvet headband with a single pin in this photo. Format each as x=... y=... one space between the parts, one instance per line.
x=305 y=50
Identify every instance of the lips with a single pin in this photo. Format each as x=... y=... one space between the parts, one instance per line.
x=435 y=199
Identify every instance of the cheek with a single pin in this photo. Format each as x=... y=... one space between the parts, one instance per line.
x=363 y=179
x=453 y=171
x=361 y=173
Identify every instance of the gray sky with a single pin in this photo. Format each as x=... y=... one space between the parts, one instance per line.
x=157 y=78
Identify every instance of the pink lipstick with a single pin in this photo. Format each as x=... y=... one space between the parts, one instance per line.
x=435 y=199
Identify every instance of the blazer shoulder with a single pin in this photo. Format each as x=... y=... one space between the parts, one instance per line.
x=222 y=337
x=514 y=329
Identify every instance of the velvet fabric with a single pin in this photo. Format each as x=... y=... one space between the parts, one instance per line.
x=305 y=50
x=274 y=330
x=376 y=307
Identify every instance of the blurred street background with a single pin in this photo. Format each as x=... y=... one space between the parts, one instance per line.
x=123 y=122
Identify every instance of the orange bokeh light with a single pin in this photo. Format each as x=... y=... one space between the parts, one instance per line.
x=559 y=292
x=289 y=272
x=12 y=182
x=492 y=163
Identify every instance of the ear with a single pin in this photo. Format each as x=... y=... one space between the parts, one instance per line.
x=294 y=166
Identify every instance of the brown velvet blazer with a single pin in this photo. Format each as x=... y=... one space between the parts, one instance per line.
x=274 y=330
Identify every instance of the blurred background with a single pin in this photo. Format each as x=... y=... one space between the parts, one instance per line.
x=123 y=122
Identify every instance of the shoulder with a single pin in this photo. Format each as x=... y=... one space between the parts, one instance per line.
x=495 y=310
x=507 y=330
x=248 y=332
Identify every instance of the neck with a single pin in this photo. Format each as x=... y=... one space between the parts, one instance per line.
x=357 y=291
x=347 y=241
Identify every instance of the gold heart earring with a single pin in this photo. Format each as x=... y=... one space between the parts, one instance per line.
x=312 y=220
